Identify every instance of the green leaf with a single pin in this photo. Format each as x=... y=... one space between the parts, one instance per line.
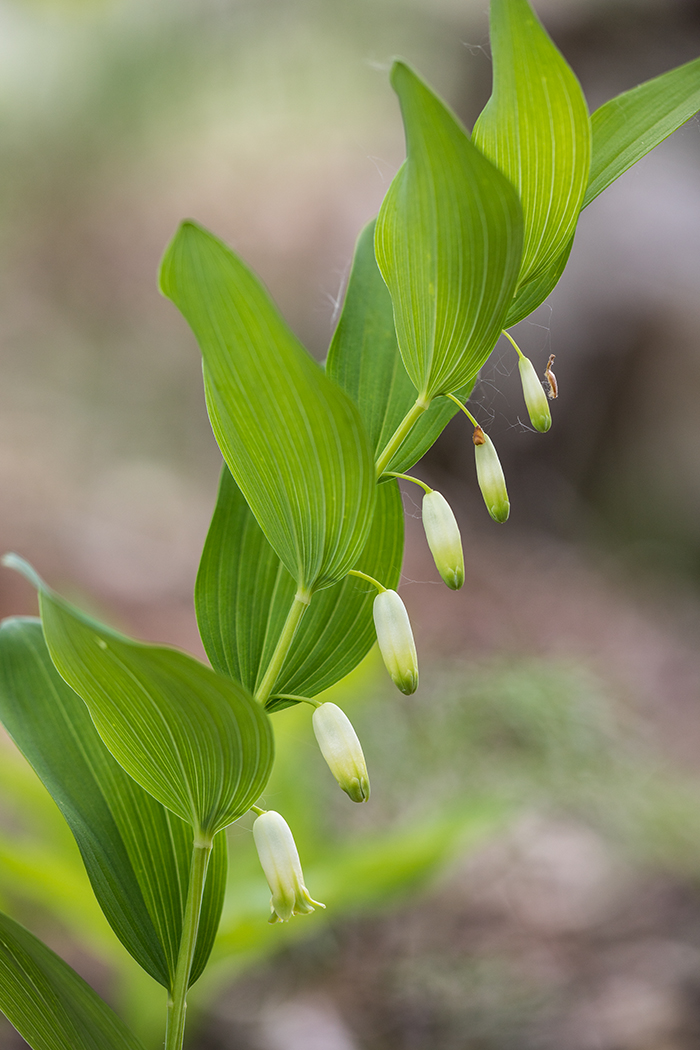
x=193 y=739
x=51 y=1007
x=448 y=244
x=364 y=360
x=243 y=593
x=292 y=440
x=535 y=129
x=137 y=854
x=627 y=127
x=534 y=293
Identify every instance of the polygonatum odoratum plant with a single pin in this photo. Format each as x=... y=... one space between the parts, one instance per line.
x=150 y=754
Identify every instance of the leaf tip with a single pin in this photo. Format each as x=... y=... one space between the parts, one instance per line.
x=167 y=271
x=14 y=561
x=401 y=74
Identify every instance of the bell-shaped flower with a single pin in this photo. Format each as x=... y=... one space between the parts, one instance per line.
x=280 y=862
x=395 y=639
x=489 y=473
x=342 y=750
x=535 y=397
x=444 y=540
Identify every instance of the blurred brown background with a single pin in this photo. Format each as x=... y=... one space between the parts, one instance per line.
x=272 y=122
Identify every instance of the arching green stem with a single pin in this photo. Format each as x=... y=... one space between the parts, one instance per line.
x=510 y=339
x=400 y=434
x=299 y=607
x=407 y=477
x=301 y=699
x=370 y=579
x=463 y=407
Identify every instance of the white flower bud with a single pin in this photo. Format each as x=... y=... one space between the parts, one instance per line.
x=535 y=397
x=444 y=540
x=395 y=639
x=342 y=750
x=489 y=474
x=280 y=862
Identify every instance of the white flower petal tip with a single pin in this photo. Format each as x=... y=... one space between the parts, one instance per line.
x=280 y=863
x=342 y=750
x=395 y=639
x=489 y=473
x=535 y=398
x=444 y=539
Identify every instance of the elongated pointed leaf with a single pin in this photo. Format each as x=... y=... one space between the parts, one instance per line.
x=292 y=440
x=627 y=127
x=364 y=360
x=448 y=243
x=534 y=293
x=243 y=594
x=48 y=1003
x=535 y=129
x=137 y=854
x=193 y=739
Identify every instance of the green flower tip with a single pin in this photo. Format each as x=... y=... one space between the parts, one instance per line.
x=395 y=639
x=535 y=397
x=444 y=539
x=280 y=862
x=489 y=473
x=342 y=750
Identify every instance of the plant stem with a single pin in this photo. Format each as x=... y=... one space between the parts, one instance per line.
x=400 y=434
x=299 y=607
x=511 y=340
x=407 y=477
x=369 y=579
x=463 y=407
x=177 y=1003
x=302 y=699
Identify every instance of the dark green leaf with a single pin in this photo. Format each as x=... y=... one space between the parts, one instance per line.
x=535 y=129
x=364 y=360
x=137 y=854
x=193 y=739
x=627 y=127
x=51 y=1007
x=448 y=244
x=292 y=440
x=243 y=593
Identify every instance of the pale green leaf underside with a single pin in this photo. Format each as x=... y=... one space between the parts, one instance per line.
x=292 y=440
x=535 y=128
x=243 y=594
x=630 y=125
x=193 y=739
x=48 y=1003
x=448 y=243
x=534 y=293
x=364 y=360
x=137 y=854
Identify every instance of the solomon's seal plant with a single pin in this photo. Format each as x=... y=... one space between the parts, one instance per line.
x=149 y=753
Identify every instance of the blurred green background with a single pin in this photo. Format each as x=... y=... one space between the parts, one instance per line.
x=525 y=875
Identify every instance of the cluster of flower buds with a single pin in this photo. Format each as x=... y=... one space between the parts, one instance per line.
x=334 y=732
x=280 y=862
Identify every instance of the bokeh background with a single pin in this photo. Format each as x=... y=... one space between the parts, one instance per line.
x=527 y=873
